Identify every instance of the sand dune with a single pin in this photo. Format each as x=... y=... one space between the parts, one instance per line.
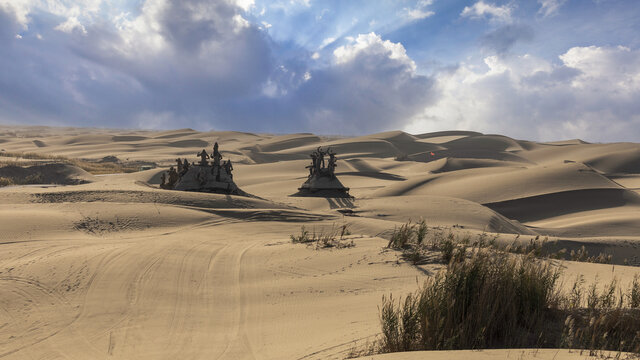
x=62 y=174
x=114 y=267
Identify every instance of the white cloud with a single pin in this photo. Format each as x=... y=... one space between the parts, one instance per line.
x=70 y=25
x=240 y=23
x=615 y=69
x=73 y=11
x=594 y=94
x=420 y=11
x=19 y=8
x=326 y=42
x=315 y=56
x=550 y=7
x=371 y=85
x=373 y=44
x=485 y=10
x=18 y=36
x=246 y=5
x=417 y=14
x=266 y=25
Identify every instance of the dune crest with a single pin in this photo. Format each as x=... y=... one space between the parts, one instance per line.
x=110 y=265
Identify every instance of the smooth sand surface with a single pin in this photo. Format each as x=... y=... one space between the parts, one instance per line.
x=117 y=268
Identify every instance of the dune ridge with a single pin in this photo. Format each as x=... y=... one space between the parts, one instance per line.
x=100 y=266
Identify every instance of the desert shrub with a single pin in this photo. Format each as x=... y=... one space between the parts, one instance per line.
x=495 y=299
x=93 y=167
x=334 y=237
x=401 y=237
x=634 y=293
x=29 y=179
x=97 y=168
x=421 y=231
x=616 y=329
x=302 y=238
x=416 y=240
x=4 y=181
x=33 y=179
x=489 y=300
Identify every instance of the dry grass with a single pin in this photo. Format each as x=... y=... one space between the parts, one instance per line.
x=417 y=242
x=93 y=167
x=502 y=296
x=28 y=180
x=488 y=298
x=334 y=237
x=4 y=181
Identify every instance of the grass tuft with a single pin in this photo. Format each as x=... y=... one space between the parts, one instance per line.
x=334 y=237
x=93 y=167
x=495 y=299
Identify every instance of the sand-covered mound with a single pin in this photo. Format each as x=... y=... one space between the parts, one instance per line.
x=62 y=174
x=113 y=266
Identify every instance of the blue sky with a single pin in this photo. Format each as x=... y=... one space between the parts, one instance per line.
x=535 y=69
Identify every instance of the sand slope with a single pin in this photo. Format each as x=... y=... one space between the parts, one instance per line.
x=117 y=268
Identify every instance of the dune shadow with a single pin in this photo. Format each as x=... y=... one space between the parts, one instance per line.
x=337 y=203
x=375 y=175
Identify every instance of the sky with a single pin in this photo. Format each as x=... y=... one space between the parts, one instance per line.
x=531 y=69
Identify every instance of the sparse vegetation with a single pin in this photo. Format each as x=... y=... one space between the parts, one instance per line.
x=402 y=236
x=492 y=295
x=30 y=179
x=334 y=237
x=494 y=299
x=418 y=242
x=4 y=181
x=91 y=166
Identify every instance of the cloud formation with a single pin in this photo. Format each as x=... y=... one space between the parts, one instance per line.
x=594 y=90
x=550 y=7
x=284 y=66
x=493 y=12
x=371 y=86
x=420 y=11
x=502 y=39
x=202 y=64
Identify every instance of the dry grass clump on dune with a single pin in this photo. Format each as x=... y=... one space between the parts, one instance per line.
x=323 y=238
x=494 y=299
x=30 y=179
x=93 y=167
x=418 y=242
x=97 y=168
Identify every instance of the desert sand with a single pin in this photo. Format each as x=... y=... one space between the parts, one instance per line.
x=116 y=267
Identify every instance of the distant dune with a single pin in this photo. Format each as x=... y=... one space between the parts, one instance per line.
x=102 y=266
